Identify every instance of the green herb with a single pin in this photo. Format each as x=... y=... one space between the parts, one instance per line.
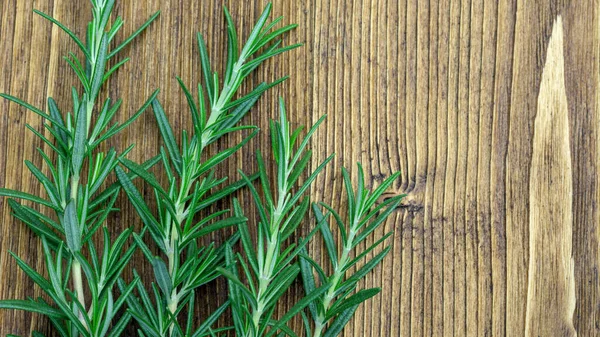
x=193 y=187
x=332 y=311
x=81 y=205
x=271 y=267
x=266 y=266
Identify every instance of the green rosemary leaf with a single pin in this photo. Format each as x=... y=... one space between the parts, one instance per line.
x=25 y=196
x=120 y=326
x=366 y=251
x=352 y=301
x=339 y=222
x=119 y=127
x=295 y=218
x=48 y=185
x=308 y=281
x=138 y=203
x=98 y=77
x=114 y=68
x=33 y=275
x=261 y=209
x=338 y=324
x=56 y=115
x=238 y=285
x=31 y=306
x=304 y=142
x=145 y=175
x=256 y=30
x=310 y=179
x=193 y=108
x=66 y=30
x=232 y=45
x=114 y=187
x=204 y=328
x=367 y=267
x=327 y=236
x=303 y=303
x=167 y=135
x=208 y=77
x=162 y=276
x=72 y=227
x=221 y=156
x=78 y=70
x=47 y=141
x=33 y=222
x=265 y=39
x=255 y=94
x=224 y=192
x=281 y=283
x=79 y=139
x=200 y=232
x=34 y=110
x=132 y=36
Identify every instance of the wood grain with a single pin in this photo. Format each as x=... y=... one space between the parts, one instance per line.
x=551 y=304
x=491 y=110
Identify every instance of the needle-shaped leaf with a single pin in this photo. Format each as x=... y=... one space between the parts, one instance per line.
x=79 y=141
x=31 y=306
x=66 y=30
x=323 y=225
x=352 y=301
x=72 y=227
x=206 y=70
x=132 y=36
x=303 y=303
x=34 y=222
x=162 y=276
x=139 y=204
x=98 y=76
x=35 y=110
x=167 y=135
x=336 y=327
x=25 y=196
x=55 y=113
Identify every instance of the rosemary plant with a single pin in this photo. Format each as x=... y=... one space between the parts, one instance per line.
x=185 y=265
x=333 y=309
x=81 y=278
x=75 y=193
x=271 y=267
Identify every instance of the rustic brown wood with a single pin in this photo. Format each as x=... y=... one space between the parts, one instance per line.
x=491 y=110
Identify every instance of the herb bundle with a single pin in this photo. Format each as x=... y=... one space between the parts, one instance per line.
x=259 y=269
x=271 y=267
x=192 y=185
x=76 y=195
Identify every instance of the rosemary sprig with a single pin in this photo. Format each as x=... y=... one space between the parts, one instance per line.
x=81 y=206
x=193 y=187
x=332 y=310
x=271 y=267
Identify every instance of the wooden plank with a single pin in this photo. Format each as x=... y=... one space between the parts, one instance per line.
x=459 y=95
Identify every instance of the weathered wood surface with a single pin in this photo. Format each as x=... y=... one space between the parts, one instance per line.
x=489 y=108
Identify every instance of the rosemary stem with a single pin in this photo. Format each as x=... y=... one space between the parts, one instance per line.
x=78 y=282
x=173 y=300
x=76 y=269
x=173 y=248
x=337 y=276
x=264 y=283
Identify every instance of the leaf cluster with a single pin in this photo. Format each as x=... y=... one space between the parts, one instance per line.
x=192 y=186
x=333 y=309
x=84 y=283
x=271 y=267
x=79 y=200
